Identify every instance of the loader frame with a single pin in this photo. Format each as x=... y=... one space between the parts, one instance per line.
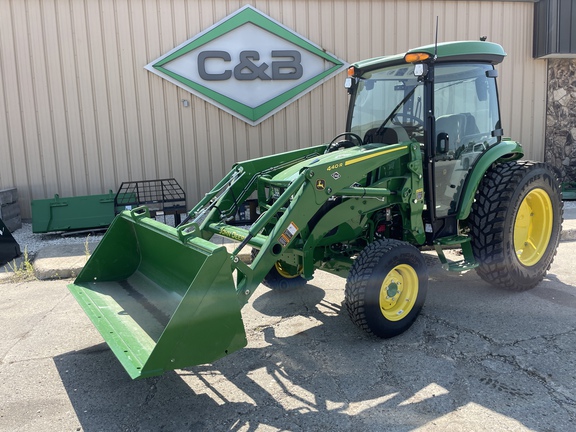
x=314 y=182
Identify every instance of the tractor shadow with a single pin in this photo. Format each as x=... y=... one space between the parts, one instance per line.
x=307 y=367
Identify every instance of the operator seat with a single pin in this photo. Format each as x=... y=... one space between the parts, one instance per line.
x=388 y=135
x=454 y=125
x=471 y=126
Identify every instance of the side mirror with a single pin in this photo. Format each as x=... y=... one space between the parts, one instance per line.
x=481 y=88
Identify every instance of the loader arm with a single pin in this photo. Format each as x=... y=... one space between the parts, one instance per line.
x=307 y=186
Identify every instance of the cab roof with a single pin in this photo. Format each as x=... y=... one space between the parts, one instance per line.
x=471 y=51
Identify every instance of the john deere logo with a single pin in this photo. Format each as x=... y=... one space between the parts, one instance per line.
x=248 y=65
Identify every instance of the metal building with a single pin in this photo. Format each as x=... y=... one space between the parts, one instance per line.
x=80 y=113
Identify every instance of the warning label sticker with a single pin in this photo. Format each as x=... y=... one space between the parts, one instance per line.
x=287 y=235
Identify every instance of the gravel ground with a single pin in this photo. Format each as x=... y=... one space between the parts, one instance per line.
x=34 y=242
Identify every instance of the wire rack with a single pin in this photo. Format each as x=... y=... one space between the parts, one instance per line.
x=162 y=197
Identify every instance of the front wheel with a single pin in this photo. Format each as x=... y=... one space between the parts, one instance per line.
x=386 y=287
x=516 y=223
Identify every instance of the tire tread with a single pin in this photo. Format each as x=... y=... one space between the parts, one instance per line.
x=488 y=219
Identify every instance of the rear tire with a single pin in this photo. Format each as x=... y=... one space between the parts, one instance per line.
x=386 y=288
x=516 y=223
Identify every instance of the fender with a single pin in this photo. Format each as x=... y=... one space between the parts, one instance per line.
x=507 y=150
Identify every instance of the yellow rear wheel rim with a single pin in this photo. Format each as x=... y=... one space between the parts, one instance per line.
x=533 y=227
x=398 y=292
x=285 y=273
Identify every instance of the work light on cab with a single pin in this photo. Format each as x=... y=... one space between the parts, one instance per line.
x=420 y=69
x=350 y=79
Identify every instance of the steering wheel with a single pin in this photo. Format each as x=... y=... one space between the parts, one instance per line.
x=415 y=119
x=337 y=145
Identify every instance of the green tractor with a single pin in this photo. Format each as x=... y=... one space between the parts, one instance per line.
x=423 y=163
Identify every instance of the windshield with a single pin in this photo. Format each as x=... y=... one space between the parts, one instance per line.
x=388 y=106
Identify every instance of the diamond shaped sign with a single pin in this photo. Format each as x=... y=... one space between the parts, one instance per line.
x=248 y=64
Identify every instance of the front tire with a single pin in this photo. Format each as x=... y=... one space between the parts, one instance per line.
x=386 y=288
x=516 y=223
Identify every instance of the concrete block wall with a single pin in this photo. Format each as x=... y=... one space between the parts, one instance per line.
x=9 y=209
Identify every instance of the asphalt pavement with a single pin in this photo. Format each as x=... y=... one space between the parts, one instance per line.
x=476 y=359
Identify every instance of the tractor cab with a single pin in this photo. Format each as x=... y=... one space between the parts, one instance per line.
x=444 y=97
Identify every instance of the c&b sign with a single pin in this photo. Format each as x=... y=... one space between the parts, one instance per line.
x=248 y=65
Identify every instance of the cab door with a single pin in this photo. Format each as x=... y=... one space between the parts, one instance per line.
x=467 y=122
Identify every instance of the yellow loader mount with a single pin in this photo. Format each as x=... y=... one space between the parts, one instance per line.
x=423 y=163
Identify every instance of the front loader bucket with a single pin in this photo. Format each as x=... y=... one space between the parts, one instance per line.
x=160 y=299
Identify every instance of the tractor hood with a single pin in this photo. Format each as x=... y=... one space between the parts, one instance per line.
x=333 y=159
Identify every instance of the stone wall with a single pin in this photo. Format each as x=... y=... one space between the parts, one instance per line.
x=560 y=146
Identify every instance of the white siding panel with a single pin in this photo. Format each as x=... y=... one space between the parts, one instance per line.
x=9 y=115
x=80 y=114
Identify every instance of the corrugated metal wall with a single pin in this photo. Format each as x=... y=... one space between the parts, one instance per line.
x=80 y=114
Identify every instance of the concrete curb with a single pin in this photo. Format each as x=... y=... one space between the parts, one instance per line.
x=61 y=262
x=569 y=225
x=568 y=235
